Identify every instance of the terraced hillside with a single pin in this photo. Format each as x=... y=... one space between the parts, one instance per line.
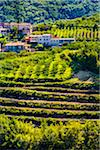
x=44 y=105
x=38 y=101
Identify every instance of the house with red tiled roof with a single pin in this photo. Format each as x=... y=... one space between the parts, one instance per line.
x=16 y=46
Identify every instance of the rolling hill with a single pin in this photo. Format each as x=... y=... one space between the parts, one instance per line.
x=37 y=11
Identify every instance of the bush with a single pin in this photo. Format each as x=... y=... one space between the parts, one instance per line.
x=16 y=134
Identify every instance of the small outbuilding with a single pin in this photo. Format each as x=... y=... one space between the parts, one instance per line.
x=16 y=46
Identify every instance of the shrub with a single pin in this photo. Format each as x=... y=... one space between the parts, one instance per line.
x=16 y=134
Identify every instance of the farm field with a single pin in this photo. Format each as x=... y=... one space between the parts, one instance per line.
x=35 y=111
x=79 y=33
x=49 y=102
x=49 y=110
x=82 y=29
x=49 y=98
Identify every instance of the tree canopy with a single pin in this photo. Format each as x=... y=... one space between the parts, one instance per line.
x=38 y=11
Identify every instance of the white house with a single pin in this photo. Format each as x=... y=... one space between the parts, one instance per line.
x=48 y=40
x=40 y=39
x=55 y=41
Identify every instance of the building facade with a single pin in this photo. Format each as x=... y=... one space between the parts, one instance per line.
x=16 y=47
x=26 y=28
x=48 y=40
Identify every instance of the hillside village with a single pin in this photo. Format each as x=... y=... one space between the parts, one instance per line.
x=26 y=36
x=26 y=29
x=49 y=75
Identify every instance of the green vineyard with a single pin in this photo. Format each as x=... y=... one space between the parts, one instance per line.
x=79 y=33
x=44 y=101
x=53 y=110
x=49 y=98
x=55 y=64
x=42 y=84
x=81 y=28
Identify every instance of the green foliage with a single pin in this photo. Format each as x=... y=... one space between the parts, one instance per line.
x=87 y=57
x=22 y=93
x=45 y=10
x=79 y=28
x=54 y=63
x=40 y=87
x=67 y=73
x=53 y=113
x=45 y=104
x=3 y=41
x=16 y=134
x=74 y=83
x=39 y=47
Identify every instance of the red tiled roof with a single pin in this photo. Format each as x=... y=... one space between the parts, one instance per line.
x=15 y=44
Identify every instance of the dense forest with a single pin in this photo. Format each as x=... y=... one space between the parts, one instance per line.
x=37 y=11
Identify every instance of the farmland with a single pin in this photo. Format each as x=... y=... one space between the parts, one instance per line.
x=50 y=107
x=44 y=101
x=82 y=29
x=49 y=99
